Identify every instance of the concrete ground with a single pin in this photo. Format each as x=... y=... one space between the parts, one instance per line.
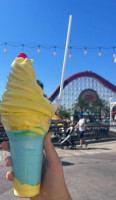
x=90 y=173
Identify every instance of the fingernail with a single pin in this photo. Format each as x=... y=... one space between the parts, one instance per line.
x=6 y=160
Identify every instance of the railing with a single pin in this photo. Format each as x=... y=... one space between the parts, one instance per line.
x=97 y=132
x=93 y=132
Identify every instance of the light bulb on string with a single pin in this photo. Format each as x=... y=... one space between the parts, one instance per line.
x=99 y=54
x=114 y=53
x=115 y=60
x=5 y=50
x=39 y=50
x=55 y=53
x=85 y=52
x=70 y=55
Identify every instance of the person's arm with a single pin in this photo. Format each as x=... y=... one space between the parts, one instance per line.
x=83 y=123
x=77 y=125
x=53 y=186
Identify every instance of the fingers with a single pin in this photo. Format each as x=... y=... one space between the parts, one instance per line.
x=9 y=176
x=7 y=161
x=51 y=155
x=5 y=146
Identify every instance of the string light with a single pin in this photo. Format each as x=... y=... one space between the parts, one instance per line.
x=99 y=54
x=114 y=53
x=58 y=47
x=115 y=60
x=39 y=50
x=55 y=53
x=85 y=52
x=70 y=55
x=5 y=50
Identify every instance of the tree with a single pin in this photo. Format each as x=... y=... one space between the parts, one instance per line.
x=107 y=111
x=81 y=105
x=100 y=105
x=64 y=113
x=41 y=85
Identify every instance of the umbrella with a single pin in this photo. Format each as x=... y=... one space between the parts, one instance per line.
x=114 y=112
x=56 y=119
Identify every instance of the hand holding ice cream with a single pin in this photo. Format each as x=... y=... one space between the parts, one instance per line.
x=53 y=183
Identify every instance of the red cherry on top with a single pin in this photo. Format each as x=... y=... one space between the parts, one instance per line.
x=23 y=55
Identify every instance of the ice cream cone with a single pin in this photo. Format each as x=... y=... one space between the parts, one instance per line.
x=26 y=154
x=25 y=114
x=26 y=147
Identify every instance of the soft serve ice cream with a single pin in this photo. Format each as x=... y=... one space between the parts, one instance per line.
x=25 y=114
x=24 y=96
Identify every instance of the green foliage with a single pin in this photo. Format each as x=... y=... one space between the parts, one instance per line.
x=42 y=86
x=100 y=105
x=107 y=111
x=81 y=105
x=64 y=113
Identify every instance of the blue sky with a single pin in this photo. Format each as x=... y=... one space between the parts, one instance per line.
x=45 y=22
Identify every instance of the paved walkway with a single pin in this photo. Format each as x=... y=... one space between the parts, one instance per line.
x=94 y=148
x=90 y=173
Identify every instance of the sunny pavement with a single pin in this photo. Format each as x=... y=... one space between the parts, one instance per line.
x=90 y=173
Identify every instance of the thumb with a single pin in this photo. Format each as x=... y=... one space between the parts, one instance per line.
x=51 y=155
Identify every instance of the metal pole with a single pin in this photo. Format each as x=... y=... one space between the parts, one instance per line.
x=64 y=62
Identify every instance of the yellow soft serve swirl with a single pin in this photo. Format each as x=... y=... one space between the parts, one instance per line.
x=23 y=103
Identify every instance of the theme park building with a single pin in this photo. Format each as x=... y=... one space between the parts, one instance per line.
x=87 y=85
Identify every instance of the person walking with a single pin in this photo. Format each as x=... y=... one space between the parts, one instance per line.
x=81 y=125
